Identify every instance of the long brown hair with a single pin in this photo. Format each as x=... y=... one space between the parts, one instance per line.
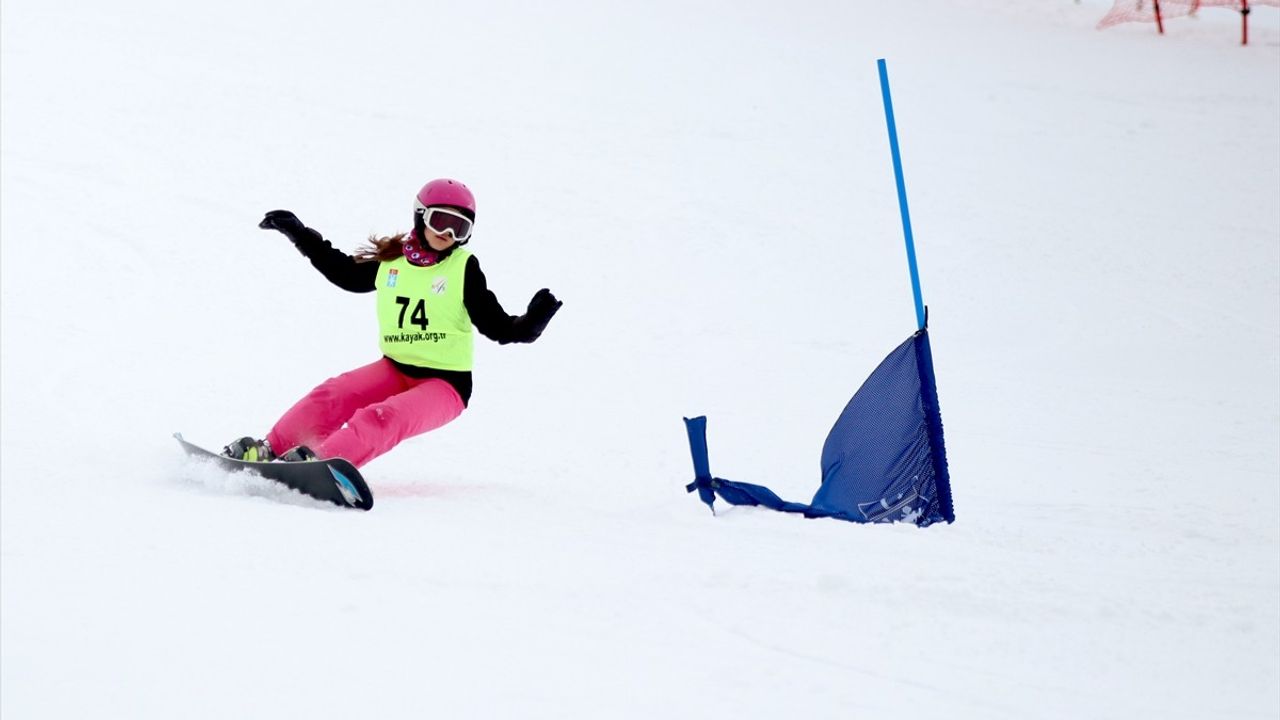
x=382 y=249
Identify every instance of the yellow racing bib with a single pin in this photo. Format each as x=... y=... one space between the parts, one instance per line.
x=422 y=319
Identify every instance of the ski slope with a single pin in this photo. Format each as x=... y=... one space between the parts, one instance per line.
x=708 y=188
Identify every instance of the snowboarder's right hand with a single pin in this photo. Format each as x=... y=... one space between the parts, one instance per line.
x=282 y=220
x=304 y=238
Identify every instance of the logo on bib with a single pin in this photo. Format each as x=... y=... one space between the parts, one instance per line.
x=392 y=275
x=439 y=285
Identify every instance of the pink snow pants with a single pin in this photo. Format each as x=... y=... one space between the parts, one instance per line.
x=361 y=414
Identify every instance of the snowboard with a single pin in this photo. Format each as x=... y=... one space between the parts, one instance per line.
x=334 y=480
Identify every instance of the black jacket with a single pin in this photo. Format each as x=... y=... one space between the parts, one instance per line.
x=482 y=305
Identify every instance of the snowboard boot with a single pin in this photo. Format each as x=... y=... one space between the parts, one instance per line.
x=302 y=453
x=247 y=448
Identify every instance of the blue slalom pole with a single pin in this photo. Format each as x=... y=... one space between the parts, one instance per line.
x=902 y=192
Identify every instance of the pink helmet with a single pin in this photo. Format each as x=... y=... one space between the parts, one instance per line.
x=444 y=191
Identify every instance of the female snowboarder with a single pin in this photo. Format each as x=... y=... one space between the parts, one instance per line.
x=430 y=293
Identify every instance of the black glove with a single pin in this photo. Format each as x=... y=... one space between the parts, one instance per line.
x=304 y=238
x=542 y=307
x=282 y=220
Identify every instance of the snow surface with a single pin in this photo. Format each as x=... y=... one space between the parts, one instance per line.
x=707 y=186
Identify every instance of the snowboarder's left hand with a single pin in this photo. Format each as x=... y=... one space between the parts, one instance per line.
x=542 y=307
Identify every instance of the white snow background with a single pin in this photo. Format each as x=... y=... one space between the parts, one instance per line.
x=708 y=187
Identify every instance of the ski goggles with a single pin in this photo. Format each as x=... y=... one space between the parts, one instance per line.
x=441 y=220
